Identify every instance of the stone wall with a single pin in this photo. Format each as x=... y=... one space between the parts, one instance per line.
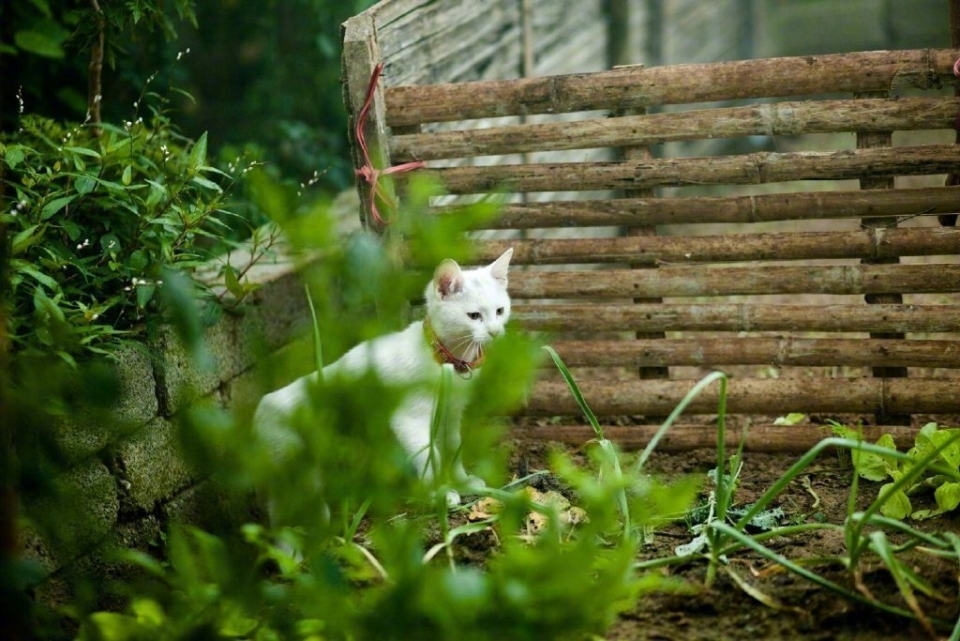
x=124 y=476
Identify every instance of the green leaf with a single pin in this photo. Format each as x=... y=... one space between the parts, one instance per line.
x=198 y=154
x=203 y=182
x=24 y=239
x=232 y=281
x=127 y=177
x=38 y=276
x=55 y=206
x=950 y=454
x=138 y=261
x=86 y=151
x=948 y=496
x=47 y=43
x=110 y=244
x=42 y=303
x=145 y=294
x=84 y=184
x=874 y=467
x=793 y=418
x=896 y=505
x=13 y=156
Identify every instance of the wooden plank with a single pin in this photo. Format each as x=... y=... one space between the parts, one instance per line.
x=747 y=169
x=655 y=250
x=738 y=317
x=778 y=352
x=445 y=42
x=757 y=208
x=675 y=84
x=686 y=437
x=767 y=119
x=695 y=281
x=752 y=396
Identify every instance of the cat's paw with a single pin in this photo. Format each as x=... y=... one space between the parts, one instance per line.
x=473 y=484
x=453 y=498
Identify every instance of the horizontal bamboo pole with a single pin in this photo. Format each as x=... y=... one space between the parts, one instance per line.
x=749 y=169
x=632 y=88
x=654 y=250
x=793 y=439
x=770 y=119
x=739 y=317
x=725 y=209
x=692 y=280
x=779 y=352
x=752 y=396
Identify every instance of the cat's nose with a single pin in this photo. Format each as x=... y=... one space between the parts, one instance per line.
x=495 y=331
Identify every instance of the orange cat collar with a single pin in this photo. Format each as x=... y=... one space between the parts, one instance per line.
x=443 y=355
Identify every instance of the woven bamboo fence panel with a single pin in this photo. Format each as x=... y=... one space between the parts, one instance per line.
x=823 y=275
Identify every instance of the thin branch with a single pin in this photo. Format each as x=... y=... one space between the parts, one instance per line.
x=95 y=71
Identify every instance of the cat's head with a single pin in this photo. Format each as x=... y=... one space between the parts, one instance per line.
x=469 y=307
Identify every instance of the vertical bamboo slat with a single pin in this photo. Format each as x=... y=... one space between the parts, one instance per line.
x=641 y=153
x=869 y=140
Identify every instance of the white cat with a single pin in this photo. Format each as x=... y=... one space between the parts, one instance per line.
x=465 y=310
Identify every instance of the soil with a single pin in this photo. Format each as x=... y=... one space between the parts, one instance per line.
x=803 y=609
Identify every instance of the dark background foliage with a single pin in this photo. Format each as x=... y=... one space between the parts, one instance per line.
x=261 y=76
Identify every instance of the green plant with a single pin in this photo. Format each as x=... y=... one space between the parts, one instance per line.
x=96 y=224
x=941 y=474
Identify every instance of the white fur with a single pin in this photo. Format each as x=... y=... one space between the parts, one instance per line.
x=467 y=309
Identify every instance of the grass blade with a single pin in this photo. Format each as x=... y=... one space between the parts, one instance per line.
x=678 y=410
x=770 y=555
x=317 y=347
x=575 y=390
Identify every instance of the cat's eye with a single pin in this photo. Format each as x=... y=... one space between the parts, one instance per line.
x=473 y=315
x=499 y=311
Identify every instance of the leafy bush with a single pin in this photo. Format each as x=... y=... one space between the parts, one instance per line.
x=96 y=221
x=940 y=475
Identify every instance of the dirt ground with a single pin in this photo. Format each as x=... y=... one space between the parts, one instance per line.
x=806 y=611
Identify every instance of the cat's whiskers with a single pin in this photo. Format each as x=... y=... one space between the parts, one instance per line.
x=467 y=347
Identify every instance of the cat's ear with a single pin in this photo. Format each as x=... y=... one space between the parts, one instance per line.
x=499 y=267
x=448 y=278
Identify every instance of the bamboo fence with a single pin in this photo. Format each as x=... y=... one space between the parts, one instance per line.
x=791 y=295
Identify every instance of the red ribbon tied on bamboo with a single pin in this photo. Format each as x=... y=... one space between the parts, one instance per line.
x=368 y=172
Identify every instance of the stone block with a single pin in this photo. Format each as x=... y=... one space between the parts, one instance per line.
x=77 y=513
x=129 y=394
x=150 y=467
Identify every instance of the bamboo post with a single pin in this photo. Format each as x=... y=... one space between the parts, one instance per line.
x=741 y=317
x=870 y=140
x=953 y=178
x=746 y=169
x=756 y=396
x=756 y=208
x=778 y=439
x=653 y=250
x=693 y=281
x=642 y=153
x=673 y=84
